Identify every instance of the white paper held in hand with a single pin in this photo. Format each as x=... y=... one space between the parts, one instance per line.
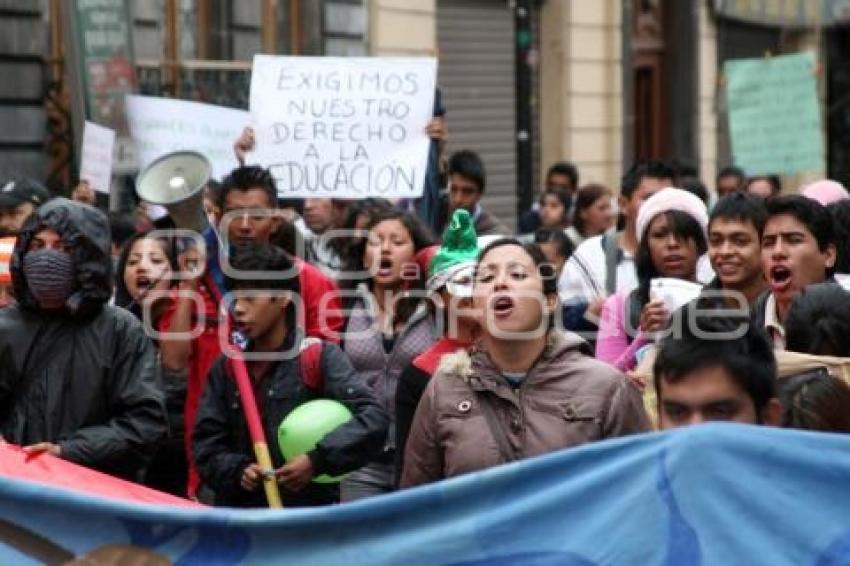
x=675 y=293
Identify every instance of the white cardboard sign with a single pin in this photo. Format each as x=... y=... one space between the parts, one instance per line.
x=162 y=125
x=96 y=156
x=343 y=127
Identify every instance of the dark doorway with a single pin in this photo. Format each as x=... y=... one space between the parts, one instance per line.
x=665 y=80
x=837 y=116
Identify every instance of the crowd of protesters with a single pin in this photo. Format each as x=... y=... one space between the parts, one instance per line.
x=455 y=344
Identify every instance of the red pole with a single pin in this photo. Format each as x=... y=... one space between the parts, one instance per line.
x=249 y=407
x=255 y=425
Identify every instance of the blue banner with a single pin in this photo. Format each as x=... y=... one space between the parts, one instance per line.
x=714 y=494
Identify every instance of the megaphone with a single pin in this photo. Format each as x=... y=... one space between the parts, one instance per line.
x=176 y=181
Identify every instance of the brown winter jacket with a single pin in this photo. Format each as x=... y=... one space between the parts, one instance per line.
x=566 y=399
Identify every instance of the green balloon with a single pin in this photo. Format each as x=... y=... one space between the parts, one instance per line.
x=307 y=425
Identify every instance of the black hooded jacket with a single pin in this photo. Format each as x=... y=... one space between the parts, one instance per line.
x=84 y=378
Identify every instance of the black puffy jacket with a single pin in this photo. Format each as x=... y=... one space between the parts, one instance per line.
x=85 y=379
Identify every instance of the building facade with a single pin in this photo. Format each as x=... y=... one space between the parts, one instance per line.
x=612 y=80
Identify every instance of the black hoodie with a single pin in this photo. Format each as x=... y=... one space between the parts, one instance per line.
x=85 y=378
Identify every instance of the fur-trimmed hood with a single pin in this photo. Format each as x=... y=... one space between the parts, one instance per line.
x=559 y=346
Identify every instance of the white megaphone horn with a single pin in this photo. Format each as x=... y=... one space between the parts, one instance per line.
x=177 y=181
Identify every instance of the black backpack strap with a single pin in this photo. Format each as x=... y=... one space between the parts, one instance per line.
x=612 y=259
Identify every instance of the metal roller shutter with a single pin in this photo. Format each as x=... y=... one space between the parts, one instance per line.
x=476 y=75
x=23 y=51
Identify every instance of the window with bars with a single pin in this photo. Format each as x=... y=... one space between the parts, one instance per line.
x=202 y=49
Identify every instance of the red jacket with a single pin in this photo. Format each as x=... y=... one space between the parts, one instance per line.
x=322 y=319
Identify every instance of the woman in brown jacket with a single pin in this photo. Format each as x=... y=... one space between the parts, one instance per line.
x=525 y=389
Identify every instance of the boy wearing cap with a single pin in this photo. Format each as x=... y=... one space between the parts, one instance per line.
x=450 y=276
x=18 y=200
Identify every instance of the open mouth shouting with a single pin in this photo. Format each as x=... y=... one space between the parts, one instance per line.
x=385 y=267
x=144 y=284
x=502 y=306
x=779 y=278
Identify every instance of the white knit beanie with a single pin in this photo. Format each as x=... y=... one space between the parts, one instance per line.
x=671 y=199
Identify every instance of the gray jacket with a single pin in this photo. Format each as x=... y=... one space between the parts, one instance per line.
x=363 y=343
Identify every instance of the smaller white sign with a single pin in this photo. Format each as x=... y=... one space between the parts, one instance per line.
x=675 y=293
x=96 y=160
x=163 y=125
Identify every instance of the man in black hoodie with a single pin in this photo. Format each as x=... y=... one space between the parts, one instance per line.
x=78 y=377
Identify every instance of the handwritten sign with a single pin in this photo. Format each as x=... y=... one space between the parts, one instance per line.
x=774 y=118
x=162 y=125
x=96 y=156
x=348 y=127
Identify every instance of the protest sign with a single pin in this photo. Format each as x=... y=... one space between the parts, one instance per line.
x=96 y=156
x=160 y=125
x=774 y=118
x=348 y=127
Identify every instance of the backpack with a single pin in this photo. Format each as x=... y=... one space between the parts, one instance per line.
x=310 y=365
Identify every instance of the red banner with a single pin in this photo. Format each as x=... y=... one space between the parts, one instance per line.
x=56 y=472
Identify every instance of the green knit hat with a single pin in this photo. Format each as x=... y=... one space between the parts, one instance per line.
x=458 y=252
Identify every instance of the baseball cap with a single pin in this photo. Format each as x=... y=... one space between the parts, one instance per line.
x=15 y=192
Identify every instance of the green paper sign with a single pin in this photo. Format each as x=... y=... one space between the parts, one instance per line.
x=774 y=116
